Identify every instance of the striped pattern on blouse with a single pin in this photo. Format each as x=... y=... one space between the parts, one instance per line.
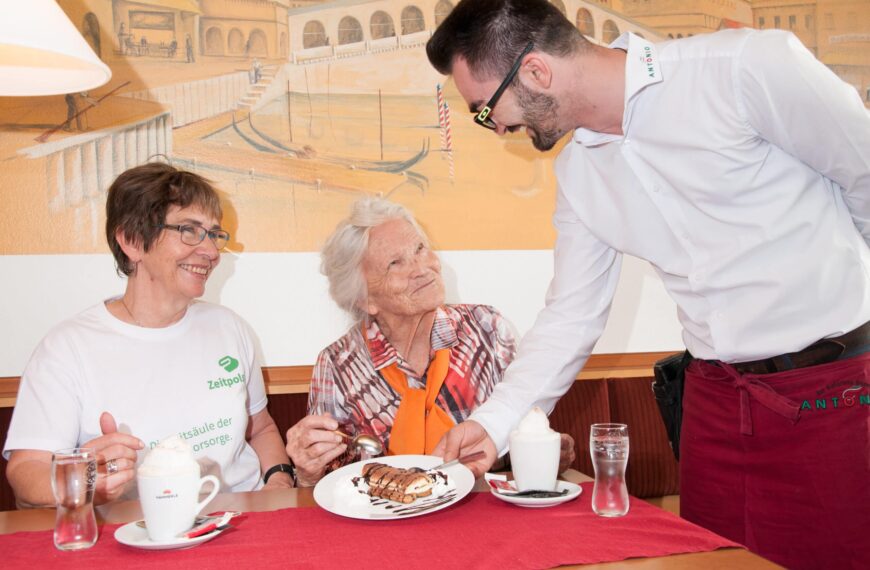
x=346 y=382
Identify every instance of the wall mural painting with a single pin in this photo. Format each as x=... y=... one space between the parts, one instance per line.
x=297 y=108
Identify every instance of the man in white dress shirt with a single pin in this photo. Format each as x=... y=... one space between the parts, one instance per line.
x=739 y=167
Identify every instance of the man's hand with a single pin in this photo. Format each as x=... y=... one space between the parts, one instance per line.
x=566 y=452
x=465 y=438
x=116 y=459
x=312 y=446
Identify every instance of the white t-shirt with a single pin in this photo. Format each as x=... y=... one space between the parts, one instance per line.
x=197 y=378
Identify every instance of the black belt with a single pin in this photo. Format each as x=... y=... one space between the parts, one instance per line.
x=823 y=351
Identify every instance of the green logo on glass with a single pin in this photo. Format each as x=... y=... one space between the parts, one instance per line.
x=228 y=363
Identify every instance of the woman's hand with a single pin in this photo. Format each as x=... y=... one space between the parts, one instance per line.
x=312 y=445
x=566 y=452
x=116 y=459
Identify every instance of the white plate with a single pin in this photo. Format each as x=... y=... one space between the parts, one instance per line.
x=132 y=534
x=573 y=492
x=336 y=492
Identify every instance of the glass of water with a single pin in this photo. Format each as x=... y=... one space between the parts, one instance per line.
x=608 y=444
x=73 y=479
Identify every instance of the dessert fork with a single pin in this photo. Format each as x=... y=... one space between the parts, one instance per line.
x=463 y=459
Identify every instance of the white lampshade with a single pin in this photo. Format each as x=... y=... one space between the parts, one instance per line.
x=42 y=52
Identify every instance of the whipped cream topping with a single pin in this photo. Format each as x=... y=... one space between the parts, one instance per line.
x=535 y=422
x=352 y=492
x=443 y=485
x=172 y=456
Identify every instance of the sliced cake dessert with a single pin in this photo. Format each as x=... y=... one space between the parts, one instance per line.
x=397 y=484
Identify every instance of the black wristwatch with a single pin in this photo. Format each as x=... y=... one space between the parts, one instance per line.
x=287 y=468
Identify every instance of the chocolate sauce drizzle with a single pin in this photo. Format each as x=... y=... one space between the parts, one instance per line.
x=421 y=506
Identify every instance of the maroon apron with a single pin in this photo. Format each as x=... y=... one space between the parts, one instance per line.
x=781 y=462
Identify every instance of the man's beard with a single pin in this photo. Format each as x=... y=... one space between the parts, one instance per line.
x=539 y=115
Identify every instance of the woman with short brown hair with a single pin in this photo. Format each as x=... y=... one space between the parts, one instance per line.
x=153 y=362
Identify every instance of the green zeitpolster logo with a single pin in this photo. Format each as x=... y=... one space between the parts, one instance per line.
x=229 y=364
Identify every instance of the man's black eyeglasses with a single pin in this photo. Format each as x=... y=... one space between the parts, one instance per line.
x=193 y=235
x=482 y=116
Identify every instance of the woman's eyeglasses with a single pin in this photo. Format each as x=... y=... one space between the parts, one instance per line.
x=482 y=116
x=193 y=235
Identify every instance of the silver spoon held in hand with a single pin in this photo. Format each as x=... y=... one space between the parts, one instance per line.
x=363 y=442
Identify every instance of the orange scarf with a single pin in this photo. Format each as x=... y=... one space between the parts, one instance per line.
x=419 y=423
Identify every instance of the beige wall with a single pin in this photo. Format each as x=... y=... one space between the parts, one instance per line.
x=329 y=124
x=102 y=9
x=489 y=200
x=682 y=18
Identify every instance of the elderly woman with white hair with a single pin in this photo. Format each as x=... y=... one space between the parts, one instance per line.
x=411 y=366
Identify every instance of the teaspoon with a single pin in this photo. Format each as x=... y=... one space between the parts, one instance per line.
x=364 y=442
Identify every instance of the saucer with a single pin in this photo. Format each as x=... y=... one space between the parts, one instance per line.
x=573 y=492
x=132 y=534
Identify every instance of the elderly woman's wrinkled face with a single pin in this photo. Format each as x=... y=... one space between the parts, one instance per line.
x=403 y=275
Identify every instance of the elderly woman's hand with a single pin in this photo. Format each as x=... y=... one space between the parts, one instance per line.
x=116 y=459
x=312 y=445
x=566 y=452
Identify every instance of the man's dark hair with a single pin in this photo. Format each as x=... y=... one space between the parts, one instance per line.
x=490 y=34
x=139 y=198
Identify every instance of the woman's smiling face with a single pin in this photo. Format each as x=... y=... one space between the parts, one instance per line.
x=402 y=274
x=175 y=270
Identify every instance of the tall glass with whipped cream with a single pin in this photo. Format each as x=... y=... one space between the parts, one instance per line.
x=169 y=484
x=534 y=449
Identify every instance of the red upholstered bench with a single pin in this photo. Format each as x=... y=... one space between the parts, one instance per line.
x=652 y=470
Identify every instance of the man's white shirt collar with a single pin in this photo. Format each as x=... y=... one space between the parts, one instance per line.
x=641 y=70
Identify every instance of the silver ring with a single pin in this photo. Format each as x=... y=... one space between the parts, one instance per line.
x=112 y=466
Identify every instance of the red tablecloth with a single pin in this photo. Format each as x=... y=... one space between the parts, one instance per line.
x=478 y=532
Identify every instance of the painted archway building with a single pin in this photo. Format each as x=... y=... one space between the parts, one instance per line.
x=244 y=28
x=363 y=46
x=348 y=22
x=122 y=29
